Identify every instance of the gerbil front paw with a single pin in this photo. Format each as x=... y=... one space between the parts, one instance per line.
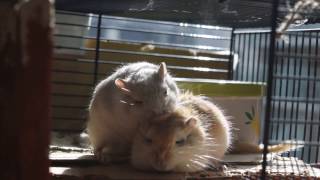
x=106 y=156
x=102 y=155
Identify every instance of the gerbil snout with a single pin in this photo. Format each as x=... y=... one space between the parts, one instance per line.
x=161 y=160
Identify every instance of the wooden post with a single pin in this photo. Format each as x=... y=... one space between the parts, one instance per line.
x=25 y=62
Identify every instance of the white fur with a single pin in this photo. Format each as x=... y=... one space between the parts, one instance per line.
x=113 y=117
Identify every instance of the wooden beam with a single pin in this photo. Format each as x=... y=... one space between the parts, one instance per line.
x=25 y=63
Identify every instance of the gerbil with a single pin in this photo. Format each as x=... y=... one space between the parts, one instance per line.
x=188 y=139
x=132 y=93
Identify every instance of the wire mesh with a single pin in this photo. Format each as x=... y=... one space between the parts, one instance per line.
x=295 y=109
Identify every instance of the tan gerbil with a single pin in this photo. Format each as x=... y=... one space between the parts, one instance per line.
x=189 y=139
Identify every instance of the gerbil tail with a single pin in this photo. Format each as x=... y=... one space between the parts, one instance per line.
x=284 y=146
x=243 y=148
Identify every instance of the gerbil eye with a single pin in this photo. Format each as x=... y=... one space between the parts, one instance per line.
x=180 y=142
x=147 y=140
x=165 y=92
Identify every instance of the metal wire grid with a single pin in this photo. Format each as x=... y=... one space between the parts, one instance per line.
x=295 y=99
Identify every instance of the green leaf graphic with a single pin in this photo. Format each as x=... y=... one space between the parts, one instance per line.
x=249 y=116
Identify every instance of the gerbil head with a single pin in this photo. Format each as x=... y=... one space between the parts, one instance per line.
x=171 y=142
x=150 y=90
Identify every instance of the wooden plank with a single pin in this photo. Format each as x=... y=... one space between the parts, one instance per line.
x=71 y=89
x=76 y=66
x=26 y=54
x=187 y=72
x=68 y=125
x=170 y=60
x=70 y=100
x=69 y=112
x=72 y=78
x=136 y=47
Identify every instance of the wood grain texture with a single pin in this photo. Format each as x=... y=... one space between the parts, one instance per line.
x=24 y=91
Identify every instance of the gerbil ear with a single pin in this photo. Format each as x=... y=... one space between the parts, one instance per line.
x=122 y=85
x=191 y=122
x=162 y=70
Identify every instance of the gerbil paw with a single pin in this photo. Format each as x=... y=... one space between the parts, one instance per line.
x=106 y=157
x=103 y=156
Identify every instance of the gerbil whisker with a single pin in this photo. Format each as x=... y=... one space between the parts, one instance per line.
x=210 y=157
x=198 y=163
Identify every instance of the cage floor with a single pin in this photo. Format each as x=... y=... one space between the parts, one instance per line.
x=71 y=162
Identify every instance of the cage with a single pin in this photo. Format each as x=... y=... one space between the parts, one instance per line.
x=269 y=47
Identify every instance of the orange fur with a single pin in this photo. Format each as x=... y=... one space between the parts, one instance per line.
x=186 y=140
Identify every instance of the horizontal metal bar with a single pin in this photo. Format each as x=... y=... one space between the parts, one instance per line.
x=73 y=36
x=291 y=77
x=74 y=24
x=300 y=12
x=250 y=31
x=299 y=56
x=297 y=121
x=298 y=142
x=295 y=99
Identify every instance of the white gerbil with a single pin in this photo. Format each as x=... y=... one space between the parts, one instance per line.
x=188 y=139
x=132 y=93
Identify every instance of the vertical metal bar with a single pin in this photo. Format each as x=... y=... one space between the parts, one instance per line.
x=232 y=41
x=287 y=84
x=277 y=86
x=315 y=75
x=293 y=86
x=273 y=124
x=254 y=77
x=269 y=87
x=280 y=89
x=259 y=57
x=248 y=57
x=307 y=95
x=97 y=51
x=243 y=55
x=238 y=65
x=299 y=87
x=265 y=57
